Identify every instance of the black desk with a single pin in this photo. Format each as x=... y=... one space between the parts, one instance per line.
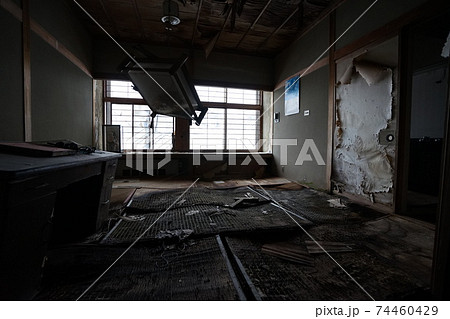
x=43 y=200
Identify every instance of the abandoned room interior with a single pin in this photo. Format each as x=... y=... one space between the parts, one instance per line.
x=224 y=150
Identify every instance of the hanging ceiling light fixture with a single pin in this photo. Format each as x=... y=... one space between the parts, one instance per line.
x=170 y=13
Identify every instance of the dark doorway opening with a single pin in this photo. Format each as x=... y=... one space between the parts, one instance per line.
x=429 y=88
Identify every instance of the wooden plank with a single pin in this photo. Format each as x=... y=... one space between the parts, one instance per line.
x=26 y=55
x=279 y=27
x=53 y=42
x=366 y=202
x=329 y=247
x=12 y=8
x=404 y=123
x=139 y=20
x=18 y=13
x=288 y=252
x=331 y=102
x=181 y=142
x=309 y=262
x=254 y=23
x=125 y=100
x=34 y=150
x=197 y=18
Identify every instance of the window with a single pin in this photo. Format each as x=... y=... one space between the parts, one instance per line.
x=121 y=89
x=232 y=121
x=208 y=135
x=125 y=107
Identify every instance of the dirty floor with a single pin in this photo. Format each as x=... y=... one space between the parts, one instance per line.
x=242 y=240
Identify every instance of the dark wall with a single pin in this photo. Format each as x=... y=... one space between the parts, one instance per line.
x=313 y=98
x=11 y=91
x=60 y=19
x=298 y=127
x=303 y=52
x=380 y=14
x=61 y=96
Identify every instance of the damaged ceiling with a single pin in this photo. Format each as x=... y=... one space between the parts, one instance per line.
x=251 y=27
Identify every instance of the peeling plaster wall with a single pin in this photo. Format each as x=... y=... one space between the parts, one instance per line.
x=364 y=108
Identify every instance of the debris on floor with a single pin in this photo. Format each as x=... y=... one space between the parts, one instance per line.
x=327 y=246
x=247 y=201
x=179 y=234
x=131 y=218
x=289 y=252
x=207 y=247
x=336 y=203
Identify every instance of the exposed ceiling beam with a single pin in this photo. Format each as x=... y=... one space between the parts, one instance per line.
x=139 y=19
x=108 y=17
x=213 y=41
x=280 y=27
x=194 y=31
x=254 y=22
x=325 y=13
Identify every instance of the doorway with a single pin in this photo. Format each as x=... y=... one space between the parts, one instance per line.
x=429 y=76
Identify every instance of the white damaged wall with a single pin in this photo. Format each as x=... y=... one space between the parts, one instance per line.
x=364 y=104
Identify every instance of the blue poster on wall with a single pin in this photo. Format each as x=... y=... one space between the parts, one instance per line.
x=292 y=96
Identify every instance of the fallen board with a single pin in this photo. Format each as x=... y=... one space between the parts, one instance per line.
x=29 y=149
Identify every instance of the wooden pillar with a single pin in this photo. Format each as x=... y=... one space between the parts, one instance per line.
x=181 y=140
x=404 y=122
x=331 y=100
x=26 y=48
x=440 y=281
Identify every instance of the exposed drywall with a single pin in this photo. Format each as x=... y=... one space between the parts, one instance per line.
x=11 y=85
x=61 y=96
x=303 y=52
x=307 y=132
x=60 y=19
x=364 y=109
x=381 y=13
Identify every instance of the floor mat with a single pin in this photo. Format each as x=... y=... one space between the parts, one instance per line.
x=278 y=279
x=144 y=202
x=193 y=270
x=202 y=220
